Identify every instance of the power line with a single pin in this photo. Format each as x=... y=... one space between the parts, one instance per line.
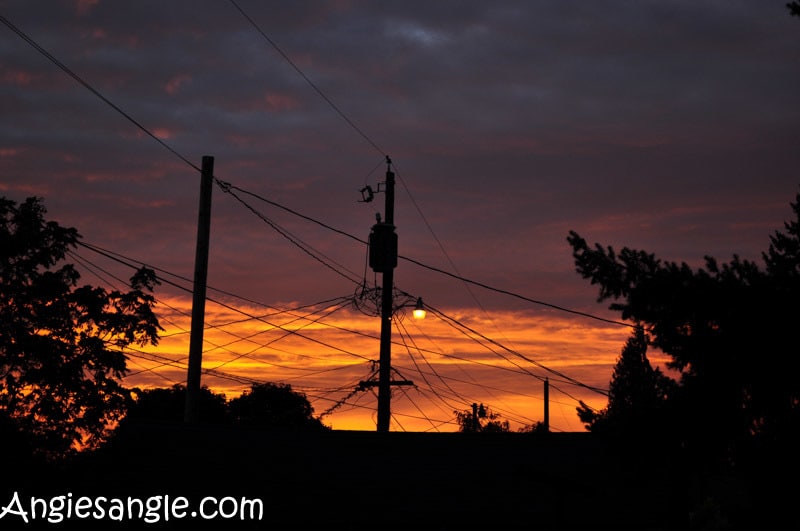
x=234 y=309
x=293 y=239
x=81 y=81
x=458 y=276
x=224 y=185
x=446 y=318
x=227 y=186
x=306 y=78
x=516 y=295
x=93 y=90
x=215 y=371
x=403 y=333
x=363 y=135
x=522 y=356
x=286 y=334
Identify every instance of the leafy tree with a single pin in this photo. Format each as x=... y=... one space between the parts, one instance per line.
x=61 y=346
x=168 y=405
x=794 y=8
x=274 y=406
x=729 y=330
x=535 y=427
x=480 y=420
x=636 y=394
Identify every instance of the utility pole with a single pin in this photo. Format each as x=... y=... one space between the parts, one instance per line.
x=199 y=292
x=546 y=405
x=385 y=233
x=383 y=259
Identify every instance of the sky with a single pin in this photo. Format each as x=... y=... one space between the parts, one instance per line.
x=667 y=126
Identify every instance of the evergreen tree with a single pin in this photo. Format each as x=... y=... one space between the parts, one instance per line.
x=637 y=393
x=728 y=328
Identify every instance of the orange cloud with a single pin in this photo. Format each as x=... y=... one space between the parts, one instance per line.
x=325 y=352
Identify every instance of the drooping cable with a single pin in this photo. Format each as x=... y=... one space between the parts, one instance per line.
x=306 y=78
x=93 y=90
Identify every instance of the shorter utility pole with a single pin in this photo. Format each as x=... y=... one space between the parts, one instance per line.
x=191 y=413
x=546 y=405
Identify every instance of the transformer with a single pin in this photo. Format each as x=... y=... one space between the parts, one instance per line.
x=382 y=248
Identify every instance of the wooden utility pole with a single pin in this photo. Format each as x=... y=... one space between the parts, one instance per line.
x=383 y=259
x=546 y=405
x=191 y=412
x=387 y=306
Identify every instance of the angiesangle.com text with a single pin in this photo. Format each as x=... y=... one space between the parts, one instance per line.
x=151 y=510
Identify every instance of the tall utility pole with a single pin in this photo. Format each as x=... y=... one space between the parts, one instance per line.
x=199 y=292
x=383 y=259
x=385 y=234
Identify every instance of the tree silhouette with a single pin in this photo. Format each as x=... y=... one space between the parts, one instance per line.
x=794 y=8
x=274 y=406
x=729 y=330
x=637 y=393
x=61 y=346
x=481 y=420
x=168 y=405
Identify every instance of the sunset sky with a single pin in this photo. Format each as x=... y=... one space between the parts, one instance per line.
x=668 y=126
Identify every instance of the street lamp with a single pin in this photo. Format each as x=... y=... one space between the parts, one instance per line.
x=419 y=309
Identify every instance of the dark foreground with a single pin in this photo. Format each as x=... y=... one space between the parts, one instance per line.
x=365 y=480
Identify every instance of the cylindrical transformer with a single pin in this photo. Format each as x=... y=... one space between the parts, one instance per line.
x=382 y=247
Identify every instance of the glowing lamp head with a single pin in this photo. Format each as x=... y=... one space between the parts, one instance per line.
x=419 y=310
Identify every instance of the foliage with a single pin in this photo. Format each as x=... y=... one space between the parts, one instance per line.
x=636 y=394
x=480 y=420
x=61 y=346
x=275 y=406
x=168 y=405
x=728 y=328
x=535 y=427
x=265 y=405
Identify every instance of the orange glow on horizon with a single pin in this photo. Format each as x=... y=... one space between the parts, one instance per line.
x=325 y=352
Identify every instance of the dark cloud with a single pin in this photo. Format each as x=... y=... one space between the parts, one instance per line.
x=668 y=126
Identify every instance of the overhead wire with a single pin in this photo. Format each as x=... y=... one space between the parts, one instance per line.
x=307 y=79
x=418 y=263
x=403 y=333
x=416 y=406
x=136 y=123
x=457 y=274
x=126 y=261
x=436 y=373
x=118 y=258
x=308 y=322
x=93 y=90
x=237 y=310
x=224 y=185
x=566 y=378
x=306 y=248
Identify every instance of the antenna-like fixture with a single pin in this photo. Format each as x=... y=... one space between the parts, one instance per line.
x=367 y=194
